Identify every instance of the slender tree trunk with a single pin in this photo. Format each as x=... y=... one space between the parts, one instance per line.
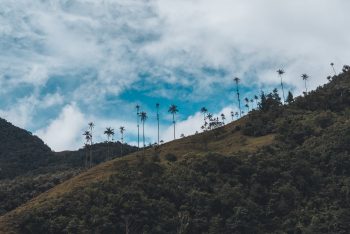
x=121 y=148
x=158 y=123
x=143 y=134
x=305 y=87
x=335 y=73
x=174 y=125
x=138 y=132
x=239 y=101
x=284 y=100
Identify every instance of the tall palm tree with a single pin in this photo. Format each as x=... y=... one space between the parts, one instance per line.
x=236 y=79
x=332 y=65
x=91 y=127
x=109 y=132
x=232 y=115
x=144 y=117
x=88 y=138
x=246 y=103
x=173 y=110
x=204 y=112
x=305 y=78
x=256 y=101
x=138 y=126
x=236 y=114
x=280 y=73
x=223 y=117
x=122 y=130
x=157 y=106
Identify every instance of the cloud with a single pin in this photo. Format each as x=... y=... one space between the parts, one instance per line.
x=91 y=52
x=64 y=133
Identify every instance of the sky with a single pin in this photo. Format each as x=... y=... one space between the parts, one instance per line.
x=64 y=63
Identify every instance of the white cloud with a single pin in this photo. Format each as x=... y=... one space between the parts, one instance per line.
x=64 y=133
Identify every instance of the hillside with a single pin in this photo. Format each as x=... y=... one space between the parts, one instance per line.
x=28 y=167
x=281 y=169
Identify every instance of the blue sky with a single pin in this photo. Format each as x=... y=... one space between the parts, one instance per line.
x=64 y=63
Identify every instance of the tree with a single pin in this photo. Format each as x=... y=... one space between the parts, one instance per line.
x=138 y=126
x=232 y=115
x=252 y=101
x=290 y=97
x=256 y=100
x=236 y=114
x=280 y=73
x=204 y=112
x=144 y=117
x=157 y=106
x=332 y=65
x=122 y=130
x=236 y=79
x=88 y=138
x=305 y=77
x=247 y=103
x=109 y=132
x=91 y=127
x=173 y=110
x=223 y=118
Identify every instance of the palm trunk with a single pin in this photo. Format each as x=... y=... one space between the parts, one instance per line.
x=335 y=73
x=158 y=124
x=174 y=125
x=305 y=87
x=143 y=134
x=138 y=132
x=239 y=101
x=282 y=90
x=121 y=148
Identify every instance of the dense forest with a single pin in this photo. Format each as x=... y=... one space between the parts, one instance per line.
x=300 y=183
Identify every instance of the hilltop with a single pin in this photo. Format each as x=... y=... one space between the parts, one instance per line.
x=280 y=169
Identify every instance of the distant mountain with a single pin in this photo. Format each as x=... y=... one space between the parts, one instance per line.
x=280 y=169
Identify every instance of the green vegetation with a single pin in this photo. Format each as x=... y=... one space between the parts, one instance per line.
x=299 y=183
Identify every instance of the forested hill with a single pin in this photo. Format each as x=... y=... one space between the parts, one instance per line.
x=280 y=169
x=20 y=151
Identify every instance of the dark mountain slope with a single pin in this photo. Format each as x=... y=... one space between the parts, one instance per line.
x=20 y=151
x=236 y=179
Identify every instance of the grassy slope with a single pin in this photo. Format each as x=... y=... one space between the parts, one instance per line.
x=229 y=142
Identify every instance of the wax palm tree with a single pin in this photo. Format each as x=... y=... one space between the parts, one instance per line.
x=91 y=127
x=280 y=73
x=236 y=114
x=88 y=138
x=256 y=100
x=144 y=117
x=122 y=130
x=236 y=79
x=138 y=126
x=232 y=115
x=204 y=112
x=223 y=117
x=305 y=77
x=247 y=103
x=157 y=106
x=252 y=103
x=109 y=132
x=173 y=110
x=332 y=65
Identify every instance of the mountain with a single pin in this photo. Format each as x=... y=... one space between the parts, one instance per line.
x=280 y=169
x=28 y=167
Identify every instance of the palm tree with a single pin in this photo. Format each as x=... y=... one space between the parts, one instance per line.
x=91 y=127
x=280 y=73
x=223 y=118
x=256 y=100
x=122 y=130
x=232 y=115
x=138 y=126
x=236 y=114
x=144 y=117
x=88 y=138
x=109 y=132
x=332 y=65
x=252 y=101
x=173 y=110
x=157 y=106
x=236 y=79
x=247 y=103
x=204 y=112
x=305 y=78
